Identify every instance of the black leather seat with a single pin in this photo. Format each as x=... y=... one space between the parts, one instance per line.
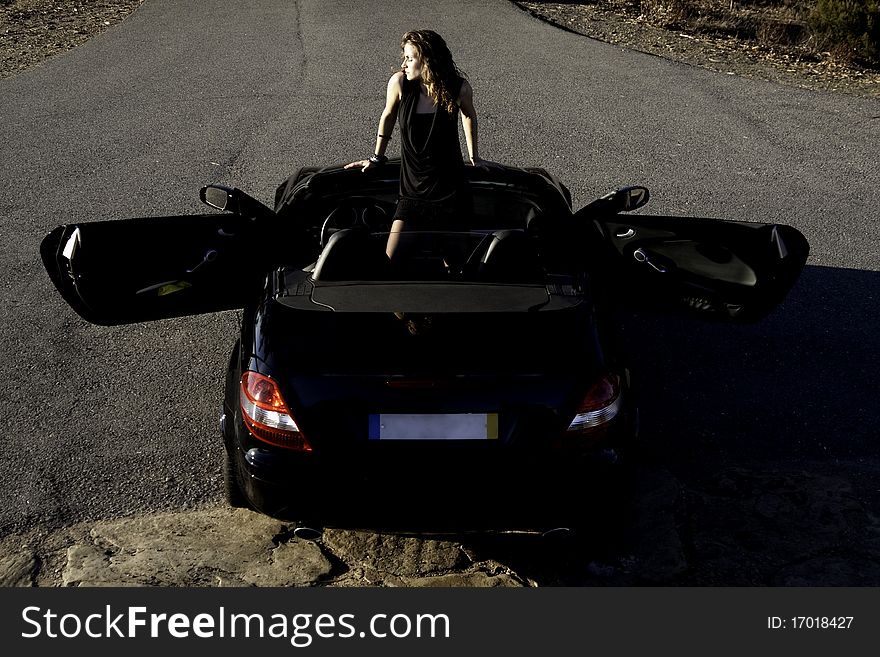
x=353 y=254
x=511 y=257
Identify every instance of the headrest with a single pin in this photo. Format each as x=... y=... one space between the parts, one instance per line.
x=511 y=257
x=352 y=254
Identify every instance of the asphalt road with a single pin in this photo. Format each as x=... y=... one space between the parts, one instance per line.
x=106 y=422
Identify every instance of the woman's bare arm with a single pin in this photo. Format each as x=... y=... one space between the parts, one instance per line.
x=469 y=119
x=393 y=94
x=469 y=123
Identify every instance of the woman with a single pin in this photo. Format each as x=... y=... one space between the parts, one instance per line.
x=427 y=94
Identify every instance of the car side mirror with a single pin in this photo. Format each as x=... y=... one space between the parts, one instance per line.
x=622 y=199
x=231 y=199
x=216 y=196
x=632 y=198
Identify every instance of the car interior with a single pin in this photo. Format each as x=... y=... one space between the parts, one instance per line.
x=499 y=245
x=502 y=256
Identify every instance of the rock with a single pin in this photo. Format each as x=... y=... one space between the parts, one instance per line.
x=17 y=568
x=218 y=547
x=480 y=579
x=404 y=556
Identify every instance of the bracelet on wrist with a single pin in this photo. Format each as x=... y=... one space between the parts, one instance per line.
x=378 y=159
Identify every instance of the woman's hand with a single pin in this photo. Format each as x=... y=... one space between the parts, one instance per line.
x=365 y=165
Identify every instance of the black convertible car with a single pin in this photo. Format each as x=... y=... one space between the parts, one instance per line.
x=488 y=356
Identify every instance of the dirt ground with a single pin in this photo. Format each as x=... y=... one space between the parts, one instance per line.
x=31 y=31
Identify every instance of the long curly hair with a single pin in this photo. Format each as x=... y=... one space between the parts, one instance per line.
x=439 y=72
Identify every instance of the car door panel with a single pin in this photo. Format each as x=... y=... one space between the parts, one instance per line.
x=134 y=270
x=731 y=270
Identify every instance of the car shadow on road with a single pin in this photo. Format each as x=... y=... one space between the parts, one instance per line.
x=758 y=460
x=794 y=387
x=767 y=435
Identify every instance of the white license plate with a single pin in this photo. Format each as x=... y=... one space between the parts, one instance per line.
x=434 y=426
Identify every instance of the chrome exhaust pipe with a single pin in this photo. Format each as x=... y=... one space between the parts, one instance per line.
x=306 y=533
x=556 y=532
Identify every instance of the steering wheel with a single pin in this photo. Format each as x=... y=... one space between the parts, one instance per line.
x=358 y=211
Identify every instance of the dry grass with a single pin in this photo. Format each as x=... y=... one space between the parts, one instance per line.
x=847 y=30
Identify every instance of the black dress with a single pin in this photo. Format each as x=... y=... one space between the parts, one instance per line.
x=433 y=190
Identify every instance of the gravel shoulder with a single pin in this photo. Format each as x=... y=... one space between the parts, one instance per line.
x=32 y=31
x=600 y=20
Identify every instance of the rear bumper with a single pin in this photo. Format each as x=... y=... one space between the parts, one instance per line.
x=445 y=487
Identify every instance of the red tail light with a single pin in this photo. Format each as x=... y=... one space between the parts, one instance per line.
x=266 y=415
x=600 y=405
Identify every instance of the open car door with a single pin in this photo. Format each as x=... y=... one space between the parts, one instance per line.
x=135 y=270
x=730 y=270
